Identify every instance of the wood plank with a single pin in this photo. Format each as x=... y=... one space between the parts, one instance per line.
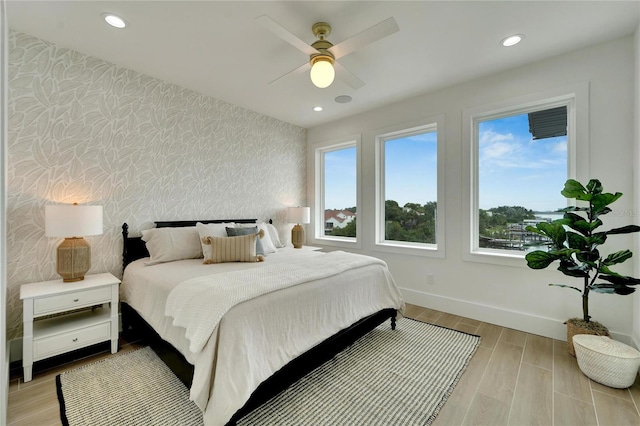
x=515 y=337
x=571 y=412
x=412 y=311
x=429 y=315
x=455 y=410
x=634 y=390
x=47 y=417
x=33 y=400
x=567 y=377
x=447 y=320
x=538 y=351
x=486 y=410
x=490 y=334
x=615 y=411
x=618 y=393
x=471 y=322
x=533 y=400
x=500 y=377
x=466 y=328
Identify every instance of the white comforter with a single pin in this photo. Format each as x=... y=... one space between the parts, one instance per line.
x=256 y=338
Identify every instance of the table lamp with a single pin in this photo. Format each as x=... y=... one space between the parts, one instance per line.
x=298 y=215
x=73 y=222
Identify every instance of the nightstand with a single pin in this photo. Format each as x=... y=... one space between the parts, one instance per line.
x=68 y=329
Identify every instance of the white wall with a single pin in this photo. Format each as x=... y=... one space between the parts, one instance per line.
x=510 y=296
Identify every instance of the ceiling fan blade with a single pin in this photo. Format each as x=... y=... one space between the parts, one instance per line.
x=348 y=77
x=371 y=34
x=304 y=67
x=287 y=36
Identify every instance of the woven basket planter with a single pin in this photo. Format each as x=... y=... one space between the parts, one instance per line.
x=573 y=329
x=606 y=361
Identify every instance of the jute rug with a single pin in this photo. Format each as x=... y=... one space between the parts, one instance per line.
x=400 y=377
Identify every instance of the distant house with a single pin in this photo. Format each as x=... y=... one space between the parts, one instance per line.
x=337 y=219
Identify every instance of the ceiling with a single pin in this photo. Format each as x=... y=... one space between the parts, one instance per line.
x=217 y=48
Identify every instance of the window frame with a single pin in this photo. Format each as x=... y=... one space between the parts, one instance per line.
x=575 y=98
x=437 y=250
x=318 y=152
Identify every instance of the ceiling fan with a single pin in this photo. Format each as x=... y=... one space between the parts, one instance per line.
x=323 y=54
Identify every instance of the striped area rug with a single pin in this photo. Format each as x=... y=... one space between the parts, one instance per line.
x=132 y=388
x=388 y=377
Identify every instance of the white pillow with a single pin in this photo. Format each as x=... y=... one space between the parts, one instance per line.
x=211 y=230
x=168 y=244
x=273 y=233
x=267 y=242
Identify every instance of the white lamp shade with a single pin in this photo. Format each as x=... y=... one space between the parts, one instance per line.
x=71 y=220
x=322 y=73
x=299 y=215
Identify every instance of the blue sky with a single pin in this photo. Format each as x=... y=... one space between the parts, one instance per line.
x=514 y=169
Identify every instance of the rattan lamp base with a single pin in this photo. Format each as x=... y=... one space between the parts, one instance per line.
x=297 y=236
x=74 y=259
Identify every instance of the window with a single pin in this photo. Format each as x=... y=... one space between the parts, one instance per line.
x=521 y=153
x=408 y=189
x=522 y=166
x=337 y=192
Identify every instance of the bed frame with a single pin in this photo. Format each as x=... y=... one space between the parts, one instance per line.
x=134 y=248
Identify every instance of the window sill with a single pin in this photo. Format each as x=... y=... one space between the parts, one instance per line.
x=415 y=249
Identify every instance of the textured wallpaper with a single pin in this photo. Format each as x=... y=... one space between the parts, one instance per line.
x=87 y=131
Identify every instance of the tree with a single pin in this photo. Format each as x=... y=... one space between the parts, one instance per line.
x=348 y=231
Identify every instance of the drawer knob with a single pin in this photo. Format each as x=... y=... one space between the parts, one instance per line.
x=75 y=300
x=75 y=340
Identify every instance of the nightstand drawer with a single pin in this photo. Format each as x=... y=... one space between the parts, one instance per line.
x=73 y=300
x=65 y=342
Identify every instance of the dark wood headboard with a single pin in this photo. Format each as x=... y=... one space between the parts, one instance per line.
x=134 y=248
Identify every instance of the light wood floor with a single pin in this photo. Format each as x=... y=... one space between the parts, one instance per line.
x=514 y=378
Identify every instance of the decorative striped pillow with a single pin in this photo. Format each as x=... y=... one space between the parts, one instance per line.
x=233 y=249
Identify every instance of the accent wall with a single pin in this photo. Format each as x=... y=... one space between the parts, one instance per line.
x=88 y=131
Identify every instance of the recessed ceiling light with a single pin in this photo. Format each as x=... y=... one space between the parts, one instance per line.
x=512 y=40
x=343 y=99
x=317 y=108
x=114 y=20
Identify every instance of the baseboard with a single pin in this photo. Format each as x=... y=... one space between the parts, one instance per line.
x=533 y=324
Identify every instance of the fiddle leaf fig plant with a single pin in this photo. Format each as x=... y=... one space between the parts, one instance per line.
x=574 y=243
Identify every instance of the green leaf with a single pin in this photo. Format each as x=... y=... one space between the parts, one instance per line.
x=595 y=214
x=567 y=286
x=600 y=201
x=594 y=186
x=612 y=289
x=554 y=231
x=576 y=241
x=574 y=209
x=589 y=256
x=614 y=278
x=569 y=268
x=540 y=259
x=617 y=257
x=597 y=239
x=629 y=229
x=574 y=189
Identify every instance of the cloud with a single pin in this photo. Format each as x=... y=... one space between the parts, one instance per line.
x=490 y=137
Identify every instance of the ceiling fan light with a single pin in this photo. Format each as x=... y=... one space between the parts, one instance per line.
x=322 y=72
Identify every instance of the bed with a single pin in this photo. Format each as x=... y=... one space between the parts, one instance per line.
x=260 y=344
